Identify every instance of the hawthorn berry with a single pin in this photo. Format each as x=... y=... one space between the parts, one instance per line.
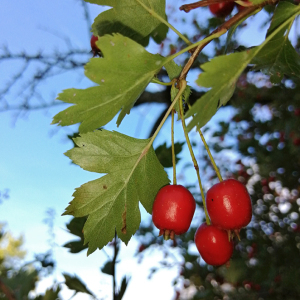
x=229 y=205
x=213 y=244
x=95 y=50
x=173 y=210
x=222 y=9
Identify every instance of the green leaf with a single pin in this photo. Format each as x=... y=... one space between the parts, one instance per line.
x=122 y=75
x=164 y=154
x=220 y=74
x=52 y=294
x=75 y=227
x=75 y=246
x=74 y=283
x=108 y=268
x=172 y=69
x=22 y=282
x=133 y=175
x=278 y=57
x=131 y=19
x=123 y=288
x=283 y=12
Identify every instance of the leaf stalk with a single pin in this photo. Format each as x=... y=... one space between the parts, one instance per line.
x=173 y=148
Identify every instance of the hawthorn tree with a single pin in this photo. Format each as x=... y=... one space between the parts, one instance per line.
x=259 y=146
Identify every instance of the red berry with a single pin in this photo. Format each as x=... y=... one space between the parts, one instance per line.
x=95 y=49
x=213 y=244
x=222 y=9
x=229 y=205
x=173 y=210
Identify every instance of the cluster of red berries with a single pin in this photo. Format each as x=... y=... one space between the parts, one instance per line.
x=223 y=9
x=229 y=208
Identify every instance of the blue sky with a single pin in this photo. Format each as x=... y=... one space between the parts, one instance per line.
x=32 y=164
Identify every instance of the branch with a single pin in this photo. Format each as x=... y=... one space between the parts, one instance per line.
x=25 y=83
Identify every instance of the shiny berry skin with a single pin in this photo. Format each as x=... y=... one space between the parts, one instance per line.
x=213 y=244
x=229 y=205
x=173 y=210
x=222 y=9
x=95 y=49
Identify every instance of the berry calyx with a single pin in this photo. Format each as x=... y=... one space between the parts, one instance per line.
x=213 y=244
x=173 y=210
x=222 y=9
x=95 y=50
x=229 y=205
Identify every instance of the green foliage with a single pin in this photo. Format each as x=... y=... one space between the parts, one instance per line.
x=220 y=74
x=50 y=294
x=74 y=283
x=21 y=282
x=134 y=175
x=121 y=78
x=279 y=57
x=267 y=254
x=122 y=290
x=164 y=154
x=135 y=19
x=75 y=227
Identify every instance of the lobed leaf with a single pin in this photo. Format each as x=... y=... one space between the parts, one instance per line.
x=74 y=283
x=133 y=175
x=278 y=57
x=131 y=19
x=122 y=75
x=220 y=74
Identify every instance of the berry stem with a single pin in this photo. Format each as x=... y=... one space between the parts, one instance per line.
x=183 y=84
x=173 y=149
x=209 y=153
x=193 y=159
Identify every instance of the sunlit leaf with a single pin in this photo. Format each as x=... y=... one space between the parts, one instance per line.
x=131 y=19
x=220 y=74
x=133 y=175
x=122 y=75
